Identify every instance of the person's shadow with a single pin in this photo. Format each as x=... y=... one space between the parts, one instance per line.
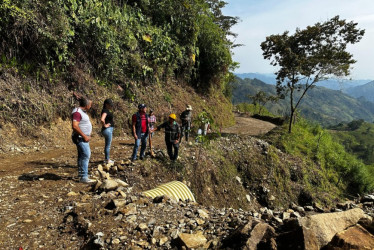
x=45 y=176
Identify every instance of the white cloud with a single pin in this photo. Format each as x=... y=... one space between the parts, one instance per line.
x=267 y=17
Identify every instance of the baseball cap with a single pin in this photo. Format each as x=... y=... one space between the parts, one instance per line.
x=142 y=106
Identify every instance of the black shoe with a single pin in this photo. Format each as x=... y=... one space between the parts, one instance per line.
x=141 y=157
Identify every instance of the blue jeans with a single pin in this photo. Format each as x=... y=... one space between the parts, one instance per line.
x=108 y=134
x=84 y=154
x=143 y=140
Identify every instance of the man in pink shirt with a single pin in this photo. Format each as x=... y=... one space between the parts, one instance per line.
x=140 y=130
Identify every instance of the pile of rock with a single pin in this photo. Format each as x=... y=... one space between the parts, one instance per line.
x=115 y=217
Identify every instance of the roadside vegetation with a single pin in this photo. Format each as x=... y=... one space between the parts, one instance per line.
x=357 y=137
x=130 y=51
x=341 y=157
x=317 y=145
x=253 y=109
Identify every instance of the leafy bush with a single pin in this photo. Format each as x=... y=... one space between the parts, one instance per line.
x=145 y=41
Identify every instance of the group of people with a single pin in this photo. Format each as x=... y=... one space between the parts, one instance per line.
x=143 y=127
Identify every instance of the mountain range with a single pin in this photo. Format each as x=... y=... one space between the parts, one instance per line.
x=336 y=84
x=365 y=91
x=326 y=106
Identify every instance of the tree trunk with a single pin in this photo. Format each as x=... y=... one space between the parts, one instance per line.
x=292 y=111
x=291 y=120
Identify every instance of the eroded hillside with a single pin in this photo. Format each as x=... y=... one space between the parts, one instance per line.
x=233 y=178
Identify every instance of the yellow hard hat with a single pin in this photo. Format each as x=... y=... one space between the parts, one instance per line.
x=173 y=116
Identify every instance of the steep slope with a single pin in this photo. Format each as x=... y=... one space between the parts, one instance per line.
x=28 y=116
x=163 y=53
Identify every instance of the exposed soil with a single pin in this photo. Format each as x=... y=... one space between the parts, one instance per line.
x=34 y=187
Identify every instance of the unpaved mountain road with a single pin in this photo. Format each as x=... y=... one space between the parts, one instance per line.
x=30 y=160
x=249 y=126
x=34 y=188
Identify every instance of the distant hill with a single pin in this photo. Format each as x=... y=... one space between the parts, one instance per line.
x=366 y=91
x=335 y=84
x=266 y=78
x=326 y=106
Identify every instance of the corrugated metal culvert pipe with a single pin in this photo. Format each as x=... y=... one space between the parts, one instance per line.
x=174 y=189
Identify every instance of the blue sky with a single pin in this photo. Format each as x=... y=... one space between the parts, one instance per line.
x=261 y=18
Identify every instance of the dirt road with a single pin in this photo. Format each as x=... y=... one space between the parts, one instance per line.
x=37 y=189
x=249 y=126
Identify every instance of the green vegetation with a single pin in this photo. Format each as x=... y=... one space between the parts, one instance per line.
x=309 y=56
x=253 y=109
x=120 y=41
x=261 y=98
x=357 y=138
x=130 y=51
x=317 y=145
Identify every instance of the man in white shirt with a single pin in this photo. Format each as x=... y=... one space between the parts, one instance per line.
x=82 y=129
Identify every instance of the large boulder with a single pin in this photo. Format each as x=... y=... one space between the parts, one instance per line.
x=262 y=236
x=355 y=237
x=316 y=231
x=109 y=185
x=239 y=236
x=253 y=235
x=192 y=240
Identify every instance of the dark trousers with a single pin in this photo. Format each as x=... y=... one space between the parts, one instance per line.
x=170 y=146
x=186 y=131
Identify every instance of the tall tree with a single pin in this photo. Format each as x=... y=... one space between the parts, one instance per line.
x=311 y=55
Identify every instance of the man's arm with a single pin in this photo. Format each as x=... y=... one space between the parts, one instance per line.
x=160 y=126
x=178 y=136
x=134 y=129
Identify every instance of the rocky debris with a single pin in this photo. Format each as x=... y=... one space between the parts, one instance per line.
x=203 y=213
x=138 y=222
x=248 y=197
x=355 y=237
x=190 y=241
x=368 y=223
x=316 y=231
x=72 y=194
x=238 y=179
x=367 y=198
x=109 y=185
x=262 y=236
x=98 y=217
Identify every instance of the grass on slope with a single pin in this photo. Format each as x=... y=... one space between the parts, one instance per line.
x=317 y=145
x=357 y=138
